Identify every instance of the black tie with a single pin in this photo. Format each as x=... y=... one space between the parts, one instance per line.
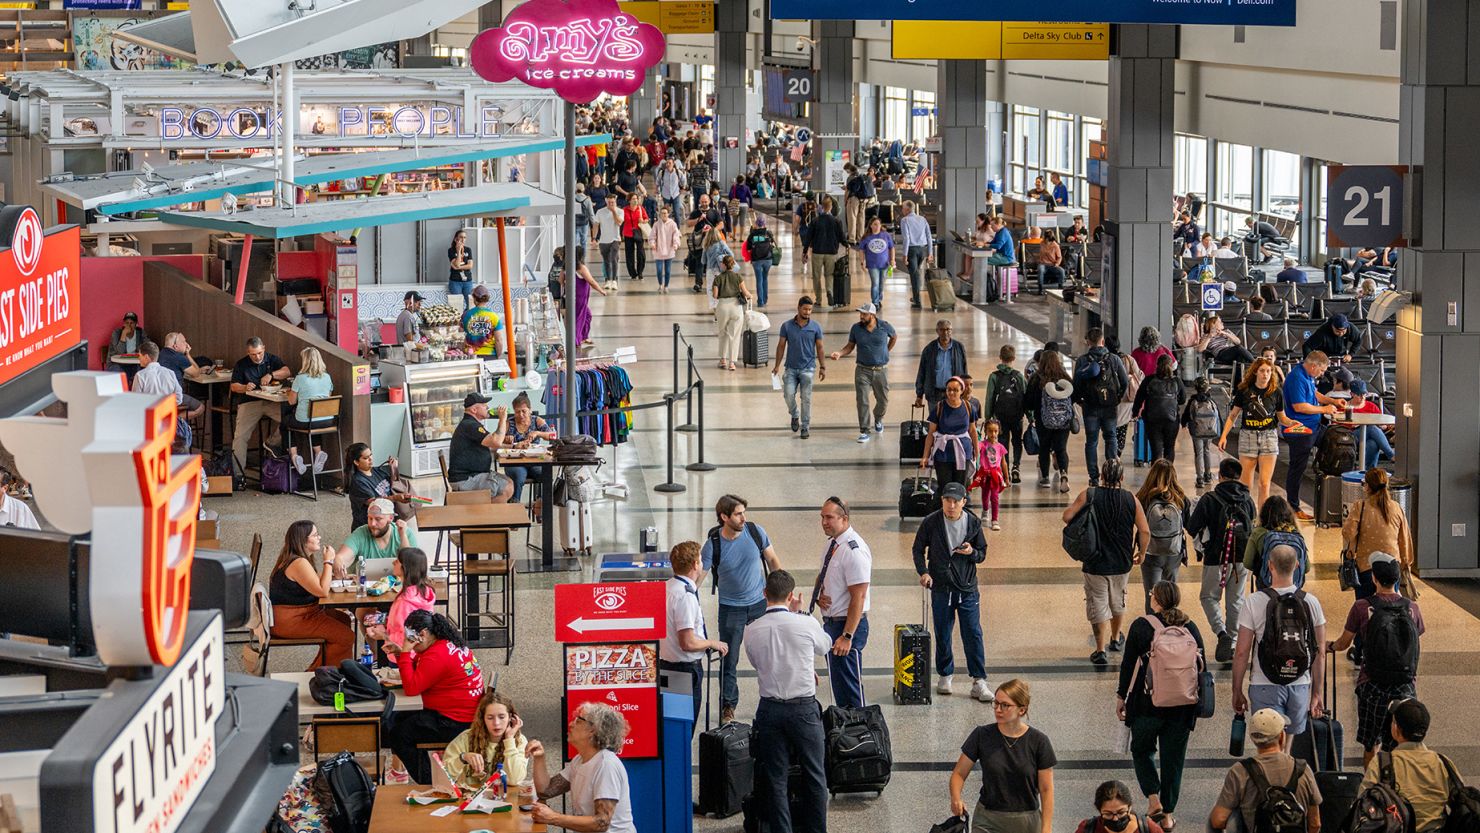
x=817 y=588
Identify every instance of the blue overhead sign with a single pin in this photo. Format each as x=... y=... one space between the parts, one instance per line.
x=1213 y=12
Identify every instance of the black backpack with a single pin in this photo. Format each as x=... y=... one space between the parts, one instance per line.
x=1234 y=519
x=1278 y=811
x=223 y=464
x=352 y=679
x=1007 y=396
x=1390 y=643
x=1463 y=814
x=1287 y=648
x=716 y=552
x=1337 y=452
x=353 y=791
x=1103 y=389
x=1161 y=399
x=1380 y=808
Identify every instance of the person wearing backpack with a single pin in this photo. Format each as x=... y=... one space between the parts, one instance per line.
x=1050 y=411
x=1203 y=422
x=1167 y=513
x=1100 y=381
x=585 y=216
x=1123 y=536
x=1158 y=696
x=1376 y=523
x=1391 y=626
x=1158 y=405
x=947 y=547
x=738 y=554
x=1282 y=631
x=1220 y=526
x=1276 y=528
x=1421 y=775
x=1006 y=402
x=1268 y=786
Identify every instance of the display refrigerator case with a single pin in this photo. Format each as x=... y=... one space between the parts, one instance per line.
x=433 y=393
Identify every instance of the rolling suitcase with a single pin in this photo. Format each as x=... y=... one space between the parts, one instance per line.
x=1320 y=747
x=942 y=291
x=1333 y=275
x=912 y=659
x=918 y=496
x=1330 y=511
x=1143 y=445
x=858 y=754
x=755 y=348
x=841 y=278
x=573 y=527
x=725 y=768
x=912 y=434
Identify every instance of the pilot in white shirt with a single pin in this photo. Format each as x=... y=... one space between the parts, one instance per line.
x=842 y=591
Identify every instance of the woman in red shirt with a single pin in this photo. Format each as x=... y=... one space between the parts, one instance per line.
x=633 y=216
x=436 y=664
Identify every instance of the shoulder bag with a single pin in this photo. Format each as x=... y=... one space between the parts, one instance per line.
x=1347 y=573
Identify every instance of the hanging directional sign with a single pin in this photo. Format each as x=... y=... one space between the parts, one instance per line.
x=618 y=612
x=1365 y=205
x=1228 y=12
x=975 y=40
x=798 y=85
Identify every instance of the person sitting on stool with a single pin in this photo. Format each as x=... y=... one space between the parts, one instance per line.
x=470 y=456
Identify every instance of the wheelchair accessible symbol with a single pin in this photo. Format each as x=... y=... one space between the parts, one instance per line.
x=1212 y=297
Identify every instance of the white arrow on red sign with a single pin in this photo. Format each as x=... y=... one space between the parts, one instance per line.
x=582 y=624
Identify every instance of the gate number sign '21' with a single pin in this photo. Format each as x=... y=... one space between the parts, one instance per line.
x=578 y=48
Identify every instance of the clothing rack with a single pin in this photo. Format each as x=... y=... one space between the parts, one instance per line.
x=622 y=355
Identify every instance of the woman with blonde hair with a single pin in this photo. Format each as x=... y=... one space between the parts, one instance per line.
x=492 y=738
x=716 y=249
x=312 y=382
x=1167 y=512
x=1017 y=764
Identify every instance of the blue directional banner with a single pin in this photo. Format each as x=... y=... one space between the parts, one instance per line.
x=1214 y=12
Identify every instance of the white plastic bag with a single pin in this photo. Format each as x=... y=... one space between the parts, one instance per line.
x=756 y=322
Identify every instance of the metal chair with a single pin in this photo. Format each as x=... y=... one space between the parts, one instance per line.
x=326 y=408
x=243 y=634
x=261 y=639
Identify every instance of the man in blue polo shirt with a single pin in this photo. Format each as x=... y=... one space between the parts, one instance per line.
x=873 y=337
x=1002 y=247
x=739 y=554
x=1305 y=405
x=800 y=349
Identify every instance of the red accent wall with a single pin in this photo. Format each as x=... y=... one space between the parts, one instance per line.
x=111 y=286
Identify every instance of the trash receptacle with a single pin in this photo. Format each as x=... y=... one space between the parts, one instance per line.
x=1401 y=491
x=1352 y=489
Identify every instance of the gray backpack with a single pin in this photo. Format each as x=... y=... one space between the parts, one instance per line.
x=1165 y=520
x=1205 y=423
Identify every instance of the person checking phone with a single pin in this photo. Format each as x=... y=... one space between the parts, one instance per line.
x=948 y=546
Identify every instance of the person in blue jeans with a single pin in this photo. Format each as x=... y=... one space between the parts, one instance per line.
x=1371 y=435
x=1100 y=381
x=1003 y=248
x=948 y=546
x=799 y=350
x=878 y=255
x=1305 y=405
x=738 y=554
x=460 y=269
x=760 y=246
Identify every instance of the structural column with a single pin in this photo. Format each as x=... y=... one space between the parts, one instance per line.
x=833 y=127
x=1438 y=446
x=644 y=104
x=730 y=27
x=1138 y=291
x=962 y=171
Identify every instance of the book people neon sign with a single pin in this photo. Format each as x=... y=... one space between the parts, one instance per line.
x=578 y=48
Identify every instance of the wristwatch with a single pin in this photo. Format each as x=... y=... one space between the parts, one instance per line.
x=848 y=636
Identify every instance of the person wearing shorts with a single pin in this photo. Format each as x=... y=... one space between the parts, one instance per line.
x=1295 y=699
x=1123 y=533
x=470 y=454
x=1258 y=408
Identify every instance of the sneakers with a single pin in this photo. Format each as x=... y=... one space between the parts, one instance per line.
x=996 y=526
x=397 y=776
x=1043 y=481
x=726 y=715
x=1015 y=477
x=1099 y=658
x=1117 y=644
x=805 y=434
x=879 y=427
x=319 y=460
x=943 y=685
x=795 y=424
x=298 y=464
x=980 y=691
x=1063 y=482
x=864 y=437
x=1224 y=651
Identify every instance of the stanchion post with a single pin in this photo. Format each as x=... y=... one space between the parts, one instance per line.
x=669 y=486
x=675 y=358
x=688 y=395
x=700 y=465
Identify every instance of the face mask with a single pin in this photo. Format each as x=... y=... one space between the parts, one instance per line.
x=1117 y=825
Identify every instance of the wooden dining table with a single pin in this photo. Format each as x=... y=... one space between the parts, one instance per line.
x=391 y=814
x=471 y=516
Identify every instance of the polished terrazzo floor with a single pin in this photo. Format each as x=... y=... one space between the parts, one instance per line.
x=1032 y=601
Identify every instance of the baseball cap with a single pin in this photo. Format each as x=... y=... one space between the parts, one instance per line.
x=869 y=309
x=475 y=399
x=1266 y=725
x=954 y=491
x=131 y=316
x=1340 y=321
x=413 y=296
x=381 y=506
x=1343 y=376
x=480 y=293
x=1357 y=386
x=1379 y=556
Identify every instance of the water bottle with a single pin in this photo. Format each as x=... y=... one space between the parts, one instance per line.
x=1236 y=737
x=501 y=782
x=367 y=657
x=363 y=583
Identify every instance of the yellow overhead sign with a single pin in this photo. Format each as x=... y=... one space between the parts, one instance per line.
x=995 y=40
x=674 y=17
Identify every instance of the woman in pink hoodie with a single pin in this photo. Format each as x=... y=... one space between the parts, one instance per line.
x=416 y=594
x=665 y=246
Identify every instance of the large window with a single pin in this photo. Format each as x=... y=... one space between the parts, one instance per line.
x=1233 y=192
x=1320 y=187
x=1091 y=129
x=1027 y=139
x=896 y=113
x=1059 y=143
x=922 y=117
x=1281 y=193
x=706 y=88
x=1190 y=165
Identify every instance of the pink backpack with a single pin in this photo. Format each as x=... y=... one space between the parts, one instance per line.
x=1187 y=332
x=1172 y=665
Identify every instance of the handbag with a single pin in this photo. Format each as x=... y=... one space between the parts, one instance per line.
x=1207 y=699
x=954 y=824
x=646 y=230
x=1030 y=439
x=1074 y=424
x=1348 y=574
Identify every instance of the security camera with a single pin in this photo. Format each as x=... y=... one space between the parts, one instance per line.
x=804 y=43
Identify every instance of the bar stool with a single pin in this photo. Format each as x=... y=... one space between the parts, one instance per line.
x=475 y=605
x=326 y=409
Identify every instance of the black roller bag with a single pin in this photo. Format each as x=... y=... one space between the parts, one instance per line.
x=859 y=757
x=918 y=496
x=912 y=433
x=725 y=767
x=1320 y=747
x=912 y=658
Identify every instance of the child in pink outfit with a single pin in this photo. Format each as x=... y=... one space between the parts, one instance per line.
x=991 y=474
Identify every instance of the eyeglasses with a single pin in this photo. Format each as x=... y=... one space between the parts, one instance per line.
x=1004 y=704
x=581 y=719
x=1116 y=814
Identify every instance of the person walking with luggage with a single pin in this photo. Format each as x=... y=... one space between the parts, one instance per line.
x=687 y=639
x=822 y=240
x=948 y=546
x=1167 y=513
x=788 y=721
x=1391 y=626
x=1148 y=350
x=799 y=349
x=1220 y=526
x=738 y=554
x=1100 y=380
x=842 y=593
x=760 y=250
x=918 y=249
x=1050 y=413
x=1276 y=527
x=1158 y=405
x=1305 y=405
x=1258 y=409
x=1005 y=402
x=1424 y=777
x=951 y=438
x=1286 y=630
x=873 y=338
x=1251 y=783
x=991 y=472
x=1158 y=696
x=731 y=296
x=1123 y=535
x=1017 y=762
x=1204 y=423
x=878 y=257
x=939 y=361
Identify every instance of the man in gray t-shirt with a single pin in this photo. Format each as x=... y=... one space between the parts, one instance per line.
x=739 y=555
x=873 y=338
x=408 y=323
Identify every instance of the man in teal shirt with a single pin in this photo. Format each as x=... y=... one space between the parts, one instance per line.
x=382 y=536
